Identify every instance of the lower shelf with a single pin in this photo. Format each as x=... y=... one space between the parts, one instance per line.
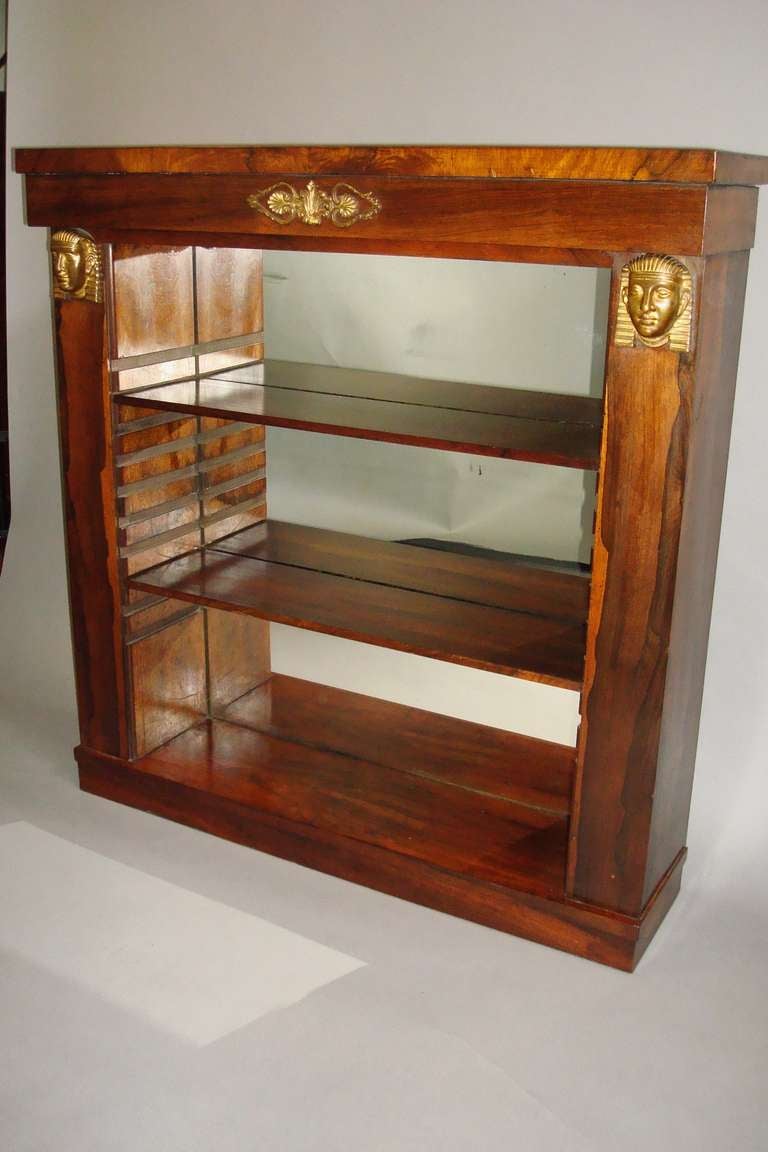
x=469 y=820
x=468 y=756
x=434 y=813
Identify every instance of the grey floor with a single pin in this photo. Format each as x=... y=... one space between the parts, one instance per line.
x=445 y=1036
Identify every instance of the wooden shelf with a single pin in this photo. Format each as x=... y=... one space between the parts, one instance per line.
x=493 y=614
x=517 y=424
x=424 y=795
x=468 y=756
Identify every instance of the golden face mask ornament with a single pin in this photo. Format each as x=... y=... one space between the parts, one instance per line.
x=656 y=292
x=76 y=267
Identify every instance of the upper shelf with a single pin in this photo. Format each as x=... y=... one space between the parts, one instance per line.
x=664 y=165
x=514 y=423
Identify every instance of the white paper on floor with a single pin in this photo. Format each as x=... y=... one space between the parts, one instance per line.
x=190 y=965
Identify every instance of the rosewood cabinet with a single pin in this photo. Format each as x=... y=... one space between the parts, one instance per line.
x=175 y=567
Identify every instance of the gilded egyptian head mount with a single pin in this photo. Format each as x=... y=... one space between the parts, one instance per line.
x=77 y=271
x=655 y=303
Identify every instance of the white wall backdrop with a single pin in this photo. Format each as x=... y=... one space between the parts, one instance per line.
x=600 y=72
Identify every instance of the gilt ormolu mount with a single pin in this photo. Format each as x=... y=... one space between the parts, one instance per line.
x=77 y=271
x=655 y=303
x=343 y=205
x=175 y=567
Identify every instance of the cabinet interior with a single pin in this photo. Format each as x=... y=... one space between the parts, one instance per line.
x=199 y=401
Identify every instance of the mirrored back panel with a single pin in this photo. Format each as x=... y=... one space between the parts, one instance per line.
x=412 y=331
x=531 y=326
x=269 y=411
x=497 y=367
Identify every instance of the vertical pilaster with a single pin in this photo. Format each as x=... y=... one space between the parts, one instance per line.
x=89 y=490
x=723 y=285
x=637 y=531
x=665 y=442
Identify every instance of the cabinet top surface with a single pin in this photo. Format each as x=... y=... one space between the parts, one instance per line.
x=662 y=165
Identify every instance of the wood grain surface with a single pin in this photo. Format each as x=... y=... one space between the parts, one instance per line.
x=482 y=836
x=153 y=309
x=528 y=213
x=488 y=761
x=341 y=242
x=168 y=681
x=711 y=388
x=555 y=920
x=634 y=567
x=498 y=582
x=659 y=504
x=514 y=642
x=237 y=657
x=668 y=165
x=526 y=403
x=89 y=503
x=560 y=438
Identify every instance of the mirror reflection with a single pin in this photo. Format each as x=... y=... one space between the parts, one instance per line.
x=533 y=327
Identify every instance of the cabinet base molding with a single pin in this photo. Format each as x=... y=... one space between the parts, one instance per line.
x=585 y=930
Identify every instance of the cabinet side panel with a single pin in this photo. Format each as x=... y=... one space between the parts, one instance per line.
x=159 y=504
x=229 y=304
x=635 y=557
x=168 y=676
x=81 y=346
x=242 y=503
x=154 y=310
x=722 y=298
x=238 y=656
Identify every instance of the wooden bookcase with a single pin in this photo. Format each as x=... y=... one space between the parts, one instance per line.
x=175 y=569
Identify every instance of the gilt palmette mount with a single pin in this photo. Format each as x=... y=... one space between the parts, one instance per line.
x=343 y=205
